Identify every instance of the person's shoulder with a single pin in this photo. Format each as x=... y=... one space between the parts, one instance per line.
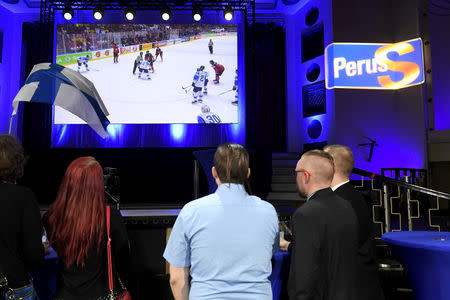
x=310 y=207
x=260 y=203
x=194 y=205
x=343 y=204
x=14 y=191
x=348 y=192
x=346 y=188
x=355 y=192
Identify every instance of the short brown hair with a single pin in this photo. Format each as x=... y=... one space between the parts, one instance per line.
x=12 y=158
x=343 y=159
x=231 y=161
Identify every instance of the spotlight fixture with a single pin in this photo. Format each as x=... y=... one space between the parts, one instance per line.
x=166 y=13
x=197 y=14
x=68 y=13
x=228 y=13
x=130 y=13
x=98 y=13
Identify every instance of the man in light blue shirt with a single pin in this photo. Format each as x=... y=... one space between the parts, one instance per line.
x=225 y=240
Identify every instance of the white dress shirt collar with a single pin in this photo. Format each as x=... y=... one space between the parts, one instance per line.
x=339 y=185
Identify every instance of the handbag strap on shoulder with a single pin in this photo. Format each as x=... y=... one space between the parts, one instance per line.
x=108 y=248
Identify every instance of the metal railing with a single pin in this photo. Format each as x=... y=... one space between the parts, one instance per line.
x=417 y=176
x=392 y=193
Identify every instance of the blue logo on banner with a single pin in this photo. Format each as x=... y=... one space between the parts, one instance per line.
x=374 y=66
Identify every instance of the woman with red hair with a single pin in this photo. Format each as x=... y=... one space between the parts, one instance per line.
x=77 y=231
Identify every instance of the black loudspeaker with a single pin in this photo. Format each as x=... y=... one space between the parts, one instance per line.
x=312 y=42
x=148 y=278
x=147 y=245
x=314 y=101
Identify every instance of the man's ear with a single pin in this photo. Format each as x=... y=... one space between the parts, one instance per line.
x=307 y=178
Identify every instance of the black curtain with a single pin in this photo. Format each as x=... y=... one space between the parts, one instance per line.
x=37 y=47
x=266 y=86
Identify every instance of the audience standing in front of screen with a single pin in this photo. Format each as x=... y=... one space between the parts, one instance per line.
x=225 y=240
x=368 y=286
x=324 y=232
x=21 y=246
x=77 y=231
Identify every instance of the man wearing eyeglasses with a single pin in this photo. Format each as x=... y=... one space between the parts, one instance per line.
x=369 y=287
x=324 y=232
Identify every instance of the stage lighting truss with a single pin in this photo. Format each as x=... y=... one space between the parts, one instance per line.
x=166 y=13
x=98 y=12
x=48 y=7
x=197 y=13
x=228 y=13
x=130 y=13
x=68 y=13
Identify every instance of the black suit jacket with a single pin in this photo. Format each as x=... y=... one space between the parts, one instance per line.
x=367 y=268
x=324 y=249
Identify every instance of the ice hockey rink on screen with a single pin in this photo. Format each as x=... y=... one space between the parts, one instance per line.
x=133 y=100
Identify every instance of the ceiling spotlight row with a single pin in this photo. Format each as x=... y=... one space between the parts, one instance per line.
x=166 y=13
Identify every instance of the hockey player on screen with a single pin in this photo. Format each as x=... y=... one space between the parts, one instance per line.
x=138 y=59
x=198 y=83
x=116 y=53
x=207 y=116
x=83 y=60
x=149 y=57
x=205 y=87
x=210 y=46
x=235 y=88
x=144 y=67
x=218 y=68
x=159 y=52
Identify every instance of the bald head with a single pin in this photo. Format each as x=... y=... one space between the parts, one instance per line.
x=343 y=159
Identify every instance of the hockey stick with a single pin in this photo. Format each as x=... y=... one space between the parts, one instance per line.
x=187 y=89
x=226 y=92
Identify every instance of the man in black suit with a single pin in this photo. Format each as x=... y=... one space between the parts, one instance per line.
x=368 y=287
x=324 y=233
